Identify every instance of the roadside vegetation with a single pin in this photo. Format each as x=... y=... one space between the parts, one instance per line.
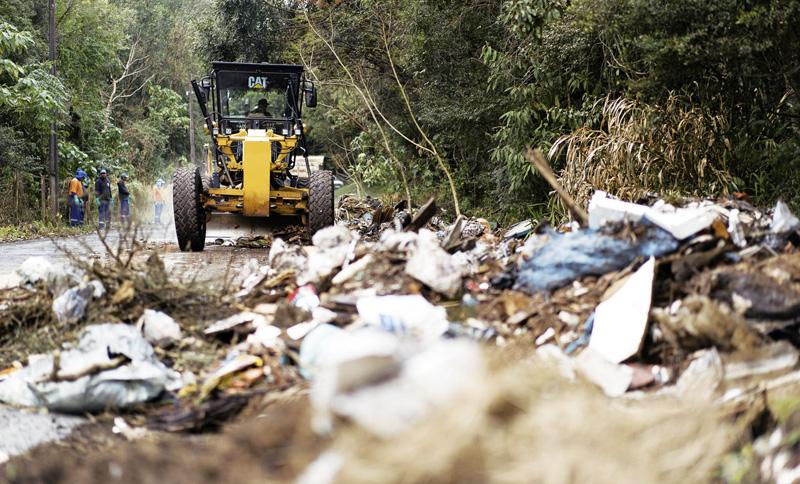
x=427 y=97
x=118 y=95
x=39 y=229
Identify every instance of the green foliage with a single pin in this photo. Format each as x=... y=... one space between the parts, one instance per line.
x=167 y=108
x=91 y=38
x=486 y=80
x=34 y=98
x=732 y=62
x=713 y=88
x=541 y=71
x=37 y=229
x=29 y=97
x=248 y=30
x=159 y=138
x=120 y=68
x=436 y=47
x=70 y=154
x=27 y=90
x=12 y=41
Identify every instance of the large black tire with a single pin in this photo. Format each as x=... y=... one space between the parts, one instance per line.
x=187 y=207
x=320 y=201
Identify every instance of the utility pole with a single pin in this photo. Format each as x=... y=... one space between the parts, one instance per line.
x=53 y=166
x=191 y=128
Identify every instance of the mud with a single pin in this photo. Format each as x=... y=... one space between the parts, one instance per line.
x=23 y=430
x=270 y=442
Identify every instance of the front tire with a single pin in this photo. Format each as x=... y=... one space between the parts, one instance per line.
x=187 y=207
x=320 y=201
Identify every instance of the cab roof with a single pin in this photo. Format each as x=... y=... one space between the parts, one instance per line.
x=257 y=67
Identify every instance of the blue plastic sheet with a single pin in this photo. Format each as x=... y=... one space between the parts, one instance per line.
x=573 y=255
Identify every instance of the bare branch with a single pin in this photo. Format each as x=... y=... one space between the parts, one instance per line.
x=388 y=123
x=442 y=164
x=144 y=83
x=360 y=89
x=121 y=86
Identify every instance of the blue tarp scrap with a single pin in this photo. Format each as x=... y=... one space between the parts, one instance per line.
x=570 y=256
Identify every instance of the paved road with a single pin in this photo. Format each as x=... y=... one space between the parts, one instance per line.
x=14 y=253
x=213 y=265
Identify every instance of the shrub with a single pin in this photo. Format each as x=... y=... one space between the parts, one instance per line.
x=639 y=148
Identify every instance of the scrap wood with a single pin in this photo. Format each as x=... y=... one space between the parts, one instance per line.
x=124 y=294
x=381 y=215
x=279 y=279
x=423 y=215
x=187 y=416
x=738 y=399
x=57 y=376
x=686 y=265
x=538 y=161
x=453 y=239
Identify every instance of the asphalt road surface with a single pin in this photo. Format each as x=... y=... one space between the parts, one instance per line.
x=214 y=265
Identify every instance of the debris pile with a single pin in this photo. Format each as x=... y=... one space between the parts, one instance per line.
x=112 y=366
x=484 y=348
x=371 y=217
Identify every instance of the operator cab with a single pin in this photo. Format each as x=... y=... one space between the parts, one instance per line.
x=258 y=96
x=237 y=97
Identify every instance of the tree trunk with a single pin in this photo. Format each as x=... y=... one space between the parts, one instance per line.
x=16 y=196
x=43 y=196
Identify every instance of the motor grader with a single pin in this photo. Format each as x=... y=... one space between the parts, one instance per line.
x=253 y=115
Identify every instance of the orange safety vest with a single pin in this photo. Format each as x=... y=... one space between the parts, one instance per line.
x=157 y=196
x=75 y=187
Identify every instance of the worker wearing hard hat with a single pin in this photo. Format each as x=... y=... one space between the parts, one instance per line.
x=158 y=201
x=75 y=198
x=124 y=200
x=102 y=189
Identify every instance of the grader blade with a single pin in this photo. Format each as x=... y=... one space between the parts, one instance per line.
x=231 y=226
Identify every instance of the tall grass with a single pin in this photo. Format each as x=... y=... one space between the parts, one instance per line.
x=640 y=148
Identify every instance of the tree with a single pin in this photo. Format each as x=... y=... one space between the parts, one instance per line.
x=29 y=96
x=128 y=82
x=249 y=30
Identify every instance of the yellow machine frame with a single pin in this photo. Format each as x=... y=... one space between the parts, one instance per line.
x=254 y=197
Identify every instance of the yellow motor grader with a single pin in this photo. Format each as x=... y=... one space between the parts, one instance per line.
x=253 y=114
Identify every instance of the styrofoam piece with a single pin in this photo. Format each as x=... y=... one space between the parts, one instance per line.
x=621 y=320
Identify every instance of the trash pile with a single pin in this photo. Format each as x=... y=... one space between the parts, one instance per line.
x=112 y=366
x=371 y=217
x=457 y=352
x=692 y=303
x=85 y=336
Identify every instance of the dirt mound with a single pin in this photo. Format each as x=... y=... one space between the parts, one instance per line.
x=271 y=441
x=531 y=425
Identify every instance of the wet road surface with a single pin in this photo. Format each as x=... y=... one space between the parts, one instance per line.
x=216 y=264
